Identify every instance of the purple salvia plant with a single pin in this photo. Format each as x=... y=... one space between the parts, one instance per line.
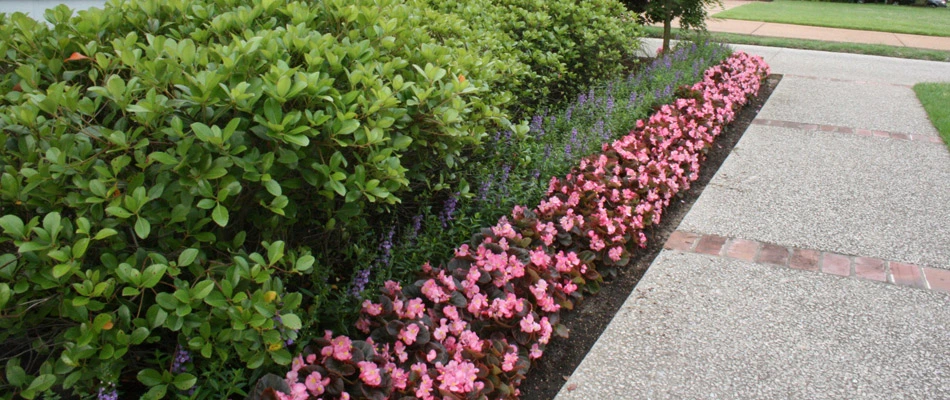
x=180 y=358
x=107 y=392
x=485 y=188
x=359 y=282
x=449 y=209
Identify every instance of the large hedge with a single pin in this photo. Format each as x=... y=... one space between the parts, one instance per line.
x=185 y=186
x=566 y=45
x=165 y=165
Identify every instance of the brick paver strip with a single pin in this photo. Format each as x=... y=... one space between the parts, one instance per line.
x=906 y=275
x=939 y=279
x=869 y=268
x=847 y=130
x=835 y=264
x=742 y=249
x=804 y=259
x=773 y=254
x=682 y=241
x=710 y=244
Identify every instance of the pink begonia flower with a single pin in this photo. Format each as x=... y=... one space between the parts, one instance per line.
x=434 y=292
x=509 y=362
x=316 y=383
x=451 y=312
x=393 y=287
x=369 y=373
x=341 y=348
x=297 y=363
x=458 y=377
x=408 y=334
x=363 y=325
x=535 y=352
x=400 y=349
x=344 y=396
x=400 y=378
x=312 y=358
x=415 y=309
x=615 y=253
x=528 y=325
x=431 y=356
x=540 y=258
x=371 y=308
x=462 y=251
x=424 y=390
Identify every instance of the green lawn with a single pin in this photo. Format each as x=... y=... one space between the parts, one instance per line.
x=838 y=47
x=936 y=100
x=869 y=17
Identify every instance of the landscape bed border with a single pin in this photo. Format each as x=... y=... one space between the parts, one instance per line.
x=471 y=328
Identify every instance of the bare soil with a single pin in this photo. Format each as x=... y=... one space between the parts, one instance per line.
x=590 y=318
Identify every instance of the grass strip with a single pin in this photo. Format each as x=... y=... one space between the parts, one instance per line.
x=806 y=44
x=866 y=17
x=936 y=100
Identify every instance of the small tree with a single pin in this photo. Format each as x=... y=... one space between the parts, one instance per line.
x=691 y=13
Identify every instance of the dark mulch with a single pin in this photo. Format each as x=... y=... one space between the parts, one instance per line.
x=590 y=318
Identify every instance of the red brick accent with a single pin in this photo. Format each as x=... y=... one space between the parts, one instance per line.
x=804 y=259
x=772 y=254
x=710 y=244
x=848 y=130
x=742 y=249
x=939 y=279
x=812 y=260
x=900 y=136
x=870 y=268
x=906 y=274
x=836 y=264
x=682 y=241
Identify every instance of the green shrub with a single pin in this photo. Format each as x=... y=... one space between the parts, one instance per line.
x=566 y=44
x=172 y=170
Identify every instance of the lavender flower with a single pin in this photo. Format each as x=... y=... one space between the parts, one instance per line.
x=181 y=357
x=449 y=209
x=567 y=151
x=632 y=100
x=484 y=188
x=359 y=282
x=536 y=127
x=416 y=226
x=610 y=105
x=386 y=246
x=567 y=114
x=581 y=99
x=108 y=392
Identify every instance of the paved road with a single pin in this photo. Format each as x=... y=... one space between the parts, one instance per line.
x=828 y=277
x=759 y=28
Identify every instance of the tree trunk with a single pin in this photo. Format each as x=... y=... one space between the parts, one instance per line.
x=668 y=25
x=667 y=32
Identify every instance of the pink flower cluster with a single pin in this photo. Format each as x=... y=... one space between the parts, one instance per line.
x=471 y=328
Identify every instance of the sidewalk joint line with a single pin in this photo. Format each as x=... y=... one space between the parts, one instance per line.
x=824 y=262
x=913 y=137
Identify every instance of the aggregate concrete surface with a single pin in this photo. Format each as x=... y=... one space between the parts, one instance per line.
x=844 y=193
x=704 y=327
x=871 y=106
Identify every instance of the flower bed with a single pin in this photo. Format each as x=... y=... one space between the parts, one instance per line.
x=470 y=329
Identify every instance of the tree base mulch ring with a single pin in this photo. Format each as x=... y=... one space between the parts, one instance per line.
x=589 y=318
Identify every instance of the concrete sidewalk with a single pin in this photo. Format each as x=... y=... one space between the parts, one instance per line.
x=770 y=29
x=828 y=276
